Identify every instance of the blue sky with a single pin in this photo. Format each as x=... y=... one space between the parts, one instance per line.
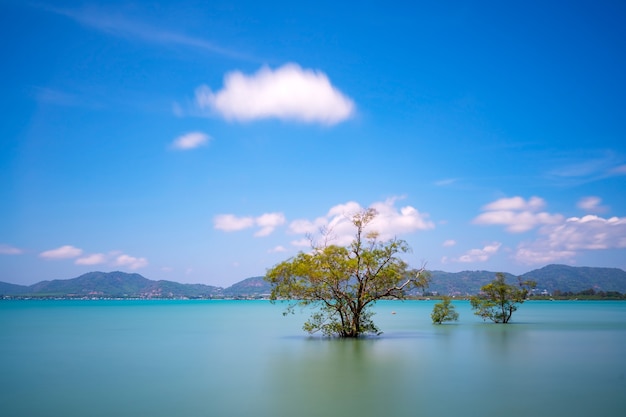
x=201 y=142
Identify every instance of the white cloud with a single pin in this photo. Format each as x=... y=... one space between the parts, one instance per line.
x=287 y=93
x=517 y=214
x=232 y=223
x=94 y=259
x=565 y=240
x=130 y=261
x=63 y=252
x=277 y=249
x=10 y=250
x=515 y=203
x=448 y=243
x=535 y=254
x=591 y=204
x=303 y=242
x=267 y=223
x=479 y=255
x=191 y=140
x=389 y=222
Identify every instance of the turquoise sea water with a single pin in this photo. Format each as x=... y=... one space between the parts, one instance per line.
x=243 y=358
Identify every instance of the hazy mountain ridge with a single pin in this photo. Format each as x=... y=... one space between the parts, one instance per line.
x=121 y=284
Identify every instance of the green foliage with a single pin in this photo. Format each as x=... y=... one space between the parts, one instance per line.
x=342 y=283
x=444 y=311
x=499 y=300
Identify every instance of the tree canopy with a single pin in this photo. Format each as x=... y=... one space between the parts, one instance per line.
x=444 y=311
x=342 y=283
x=499 y=300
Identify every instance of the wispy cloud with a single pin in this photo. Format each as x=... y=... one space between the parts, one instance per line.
x=115 y=23
x=10 y=250
x=287 y=93
x=190 y=140
x=588 y=166
x=517 y=214
x=446 y=182
x=618 y=170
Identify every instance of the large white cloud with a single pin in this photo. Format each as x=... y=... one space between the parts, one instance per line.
x=287 y=93
x=563 y=241
x=63 y=252
x=517 y=214
x=389 y=223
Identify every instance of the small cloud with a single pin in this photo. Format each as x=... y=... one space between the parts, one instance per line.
x=63 y=252
x=10 y=250
x=94 y=259
x=267 y=222
x=232 y=223
x=190 y=141
x=517 y=214
x=130 y=261
x=301 y=243
x=287 y=93
x=515 y=203
x=480 y=255
x=277 y=249
x=591 y=205
x=448 y=243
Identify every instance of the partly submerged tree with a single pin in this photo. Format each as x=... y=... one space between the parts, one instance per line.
x=343 y=283
x=498 y=300
x=444 y=311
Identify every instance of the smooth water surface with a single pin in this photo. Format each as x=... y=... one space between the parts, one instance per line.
x=243 y=358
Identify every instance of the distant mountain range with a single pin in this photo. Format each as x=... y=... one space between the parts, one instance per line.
x=549 y=278
x=120 y=284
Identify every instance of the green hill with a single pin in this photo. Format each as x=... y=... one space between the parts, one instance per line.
x=575 y=279
x=110 y=284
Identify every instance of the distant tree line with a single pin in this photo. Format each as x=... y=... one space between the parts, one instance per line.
x=590 y=294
